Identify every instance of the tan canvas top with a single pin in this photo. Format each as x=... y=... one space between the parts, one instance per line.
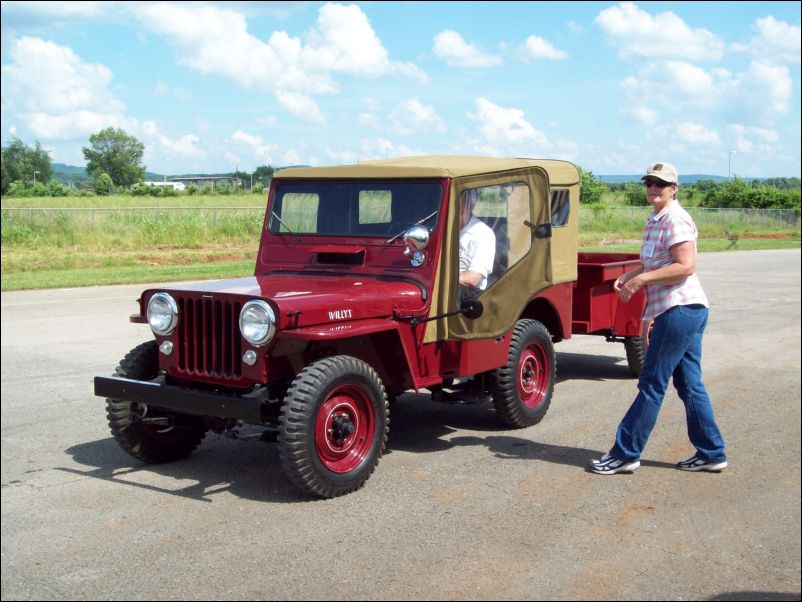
x=561 y=173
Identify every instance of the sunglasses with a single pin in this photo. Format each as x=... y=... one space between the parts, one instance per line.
x=658 y=183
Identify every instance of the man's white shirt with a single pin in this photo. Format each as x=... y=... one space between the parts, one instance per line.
x=477 y=249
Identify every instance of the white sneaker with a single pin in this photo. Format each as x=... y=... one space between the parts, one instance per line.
x=696 y=464
x=609 y=465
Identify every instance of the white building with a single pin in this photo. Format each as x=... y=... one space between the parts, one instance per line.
x=173 y=185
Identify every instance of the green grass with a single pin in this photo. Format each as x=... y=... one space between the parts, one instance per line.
x=124 y=200
x=77 y=277
x=195 y=238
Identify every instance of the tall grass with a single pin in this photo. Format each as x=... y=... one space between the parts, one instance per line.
x=145 y=239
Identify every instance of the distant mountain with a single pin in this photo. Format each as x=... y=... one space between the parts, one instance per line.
x=70 y=173
x=689 y=179
x=68 y=169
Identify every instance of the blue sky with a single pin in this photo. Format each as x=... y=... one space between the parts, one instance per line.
x=210 y=86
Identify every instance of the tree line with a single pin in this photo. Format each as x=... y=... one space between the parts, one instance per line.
x=113 y=162
x=736 y=193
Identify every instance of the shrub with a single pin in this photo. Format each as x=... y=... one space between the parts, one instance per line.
x=591 y=189
x=103 y=184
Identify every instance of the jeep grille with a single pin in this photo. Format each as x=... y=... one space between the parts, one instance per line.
x=209 y=338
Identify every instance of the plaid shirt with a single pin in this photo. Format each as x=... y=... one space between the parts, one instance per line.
x=671 y=226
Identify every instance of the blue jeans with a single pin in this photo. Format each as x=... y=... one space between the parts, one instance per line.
x=675 y=349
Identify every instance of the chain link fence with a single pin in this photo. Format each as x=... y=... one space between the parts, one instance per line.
x=703 y=216
x=591 y=217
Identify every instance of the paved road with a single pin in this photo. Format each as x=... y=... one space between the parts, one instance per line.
x=457 y=509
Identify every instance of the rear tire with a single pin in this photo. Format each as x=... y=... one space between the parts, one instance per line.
x=637 y=347
x=333 y=426
x=522 y=389
x=151 y=443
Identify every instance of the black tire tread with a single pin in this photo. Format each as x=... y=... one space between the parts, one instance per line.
x=296 y=426
x=636 y=353
x=504 y=380
x=142 y=363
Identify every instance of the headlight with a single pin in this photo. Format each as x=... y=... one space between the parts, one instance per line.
x=257 y=322
x=162 y=314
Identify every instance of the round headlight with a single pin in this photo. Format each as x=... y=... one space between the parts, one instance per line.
x=257 y=322
x=162 y=314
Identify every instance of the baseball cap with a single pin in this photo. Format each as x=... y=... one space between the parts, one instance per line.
x=662 y=171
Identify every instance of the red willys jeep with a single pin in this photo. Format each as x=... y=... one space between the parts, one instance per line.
x=355 y=299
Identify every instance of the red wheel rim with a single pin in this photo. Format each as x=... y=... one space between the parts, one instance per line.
x=344 y=429
x=533 y=376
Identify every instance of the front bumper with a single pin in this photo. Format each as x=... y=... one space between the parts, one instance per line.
x=250 y=409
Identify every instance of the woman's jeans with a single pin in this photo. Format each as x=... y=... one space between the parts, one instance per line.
x=675 y=349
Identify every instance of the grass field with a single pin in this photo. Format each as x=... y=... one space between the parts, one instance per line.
x=69 y=242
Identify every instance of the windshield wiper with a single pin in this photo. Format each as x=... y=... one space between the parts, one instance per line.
x=297 y=238
x=418 y=223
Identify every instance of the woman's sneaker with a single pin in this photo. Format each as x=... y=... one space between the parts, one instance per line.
x=696 y=464
x=609 y=465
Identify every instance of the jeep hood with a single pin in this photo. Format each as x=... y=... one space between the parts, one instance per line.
x=303 y=300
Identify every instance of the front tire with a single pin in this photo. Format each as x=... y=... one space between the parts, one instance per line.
x=333 y=426
x=170 y=436
x=522 y=389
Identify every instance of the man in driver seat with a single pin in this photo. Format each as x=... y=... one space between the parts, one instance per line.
x=477 y=246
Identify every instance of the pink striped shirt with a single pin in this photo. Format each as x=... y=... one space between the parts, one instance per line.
x=671 y=226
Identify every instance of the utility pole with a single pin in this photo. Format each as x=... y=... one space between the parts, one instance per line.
x=729 y=165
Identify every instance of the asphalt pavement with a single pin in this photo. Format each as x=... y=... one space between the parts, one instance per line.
x=459 y=508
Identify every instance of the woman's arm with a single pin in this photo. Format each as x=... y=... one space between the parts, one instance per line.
x=683 y=266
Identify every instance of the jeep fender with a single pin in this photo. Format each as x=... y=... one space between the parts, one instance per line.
x=382 y=344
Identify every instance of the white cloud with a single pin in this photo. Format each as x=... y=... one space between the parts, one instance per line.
x=56 y=93
x=73 y=124
x=762 y=92
x=689 y=80
x=637 y=33
x=255 y=144
x=216 y=41
x=503 y=130
x=455 y=51
x=536 y=47
x=694 y=134
x=159 y=145
x=302 y=106
x=776 y=41
x=746 y=139
x=411 y=116
x=765 y=90
x=646 y=116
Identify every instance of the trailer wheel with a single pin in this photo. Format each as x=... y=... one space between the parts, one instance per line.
x=637 y=347
x=333 y=426
x=522 y=389
x=150 y=434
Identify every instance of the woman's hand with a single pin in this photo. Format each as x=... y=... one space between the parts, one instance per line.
x=627 y=287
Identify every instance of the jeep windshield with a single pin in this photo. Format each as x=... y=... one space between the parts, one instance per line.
x=355 y=208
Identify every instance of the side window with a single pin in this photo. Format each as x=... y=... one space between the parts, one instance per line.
x=503 y=208
x=560 y=207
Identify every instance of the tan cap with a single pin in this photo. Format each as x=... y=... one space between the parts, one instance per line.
x=662 y=171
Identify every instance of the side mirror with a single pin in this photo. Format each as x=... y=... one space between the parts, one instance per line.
x=471 y=308
x=416 y=238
